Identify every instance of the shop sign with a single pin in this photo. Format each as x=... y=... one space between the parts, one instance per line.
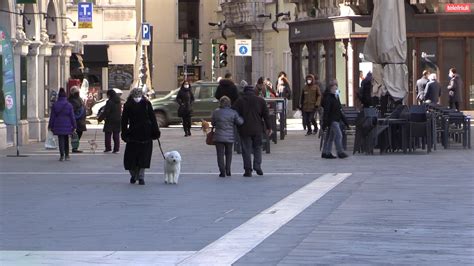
x=457 y=8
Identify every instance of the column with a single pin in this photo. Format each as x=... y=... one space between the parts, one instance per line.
x=45 y=52
x=20 y=49
x=296 y=72
x=65 y=70
x=352 y=85
x=257 y=55
x=33 y=88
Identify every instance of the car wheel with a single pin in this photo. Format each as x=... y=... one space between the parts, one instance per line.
x=161 y=119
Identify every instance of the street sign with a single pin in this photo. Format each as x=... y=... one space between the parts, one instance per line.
x=457 y=8
x=84 y=15
x=146 y=34
x=243 y=47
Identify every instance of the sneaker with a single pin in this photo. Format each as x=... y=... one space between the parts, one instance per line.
x=107 y=150
x=132 y=180
x=248 y=174
x=342 y=155
x=67 y=158
x=309 y=133
x=328 y=156
x=141 y=182
x=116 y=152
x=61 y=158
x=77 y=151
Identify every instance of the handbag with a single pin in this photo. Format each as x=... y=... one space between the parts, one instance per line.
x=210 y=137
x=74 y=140
x=50 y=143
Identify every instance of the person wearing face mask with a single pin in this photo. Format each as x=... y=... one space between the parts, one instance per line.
x=332 y=119
x=283 y=86
x=454 y=89
x=185 y=99
x=139 y=129
x=309 y=103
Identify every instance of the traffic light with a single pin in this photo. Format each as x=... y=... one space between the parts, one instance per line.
x=222 y=55
x=196 y=52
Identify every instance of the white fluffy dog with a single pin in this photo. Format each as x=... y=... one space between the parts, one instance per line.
x=172 y=167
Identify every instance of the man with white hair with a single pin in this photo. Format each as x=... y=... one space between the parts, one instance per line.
x=432 y=90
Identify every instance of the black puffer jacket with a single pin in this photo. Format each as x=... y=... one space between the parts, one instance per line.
x=111 y=114
x=185 y=100
x=79 y=111
x=227 y=88
x=254 y=111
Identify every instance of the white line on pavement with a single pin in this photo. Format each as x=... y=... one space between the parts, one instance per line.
x=238 y=242
x=125 y=173
x=73 y=258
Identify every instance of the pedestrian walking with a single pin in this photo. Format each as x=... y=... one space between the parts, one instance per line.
x=227 y=88
x=421 y=85
x=224 y=119
x=309 y=102
x=432 y=90
x=455 y=89
x=185 y=99
x=112 y=116
x=139 y=129
x=332 y=120
x=254 y=111
x=63 y=123
x=79 y=109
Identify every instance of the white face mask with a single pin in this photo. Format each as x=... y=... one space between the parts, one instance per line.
x=309 y=81
x=450 y=74
x=137 y=99
x=186 y=86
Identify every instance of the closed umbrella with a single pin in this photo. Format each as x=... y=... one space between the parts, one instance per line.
x=386 y=47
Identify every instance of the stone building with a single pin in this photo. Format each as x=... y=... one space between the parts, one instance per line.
x=328 y=36
x=41 y=52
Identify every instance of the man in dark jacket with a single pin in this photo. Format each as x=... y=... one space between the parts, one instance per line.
x=309 y=103
x=332 y=119
x=432 y=90
x=254 y=111
x=79 y=115
x=365 y=91
x=139 y=129
x=111 y=115
x=227 y=88
x=454 y=88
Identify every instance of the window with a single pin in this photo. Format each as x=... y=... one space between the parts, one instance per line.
x=188 y=18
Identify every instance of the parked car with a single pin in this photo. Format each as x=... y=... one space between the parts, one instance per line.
x=166 y=108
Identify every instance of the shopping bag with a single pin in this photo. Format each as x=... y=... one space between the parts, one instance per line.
x=50 y=143
x=298 y=114
x=74 y=141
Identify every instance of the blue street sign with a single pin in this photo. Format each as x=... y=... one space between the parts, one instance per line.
x=84 y=15
x=146 y=33
x=243 y=50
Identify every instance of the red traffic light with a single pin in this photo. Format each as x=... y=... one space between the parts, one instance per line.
x=222 y=47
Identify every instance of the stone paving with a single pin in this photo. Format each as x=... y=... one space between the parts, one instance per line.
x=394 y=208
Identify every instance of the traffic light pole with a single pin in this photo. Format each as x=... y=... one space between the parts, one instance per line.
x=185 y=59
x=213 y=64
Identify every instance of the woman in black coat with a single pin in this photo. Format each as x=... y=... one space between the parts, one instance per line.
x=79 y=114
x=139 y=129
x=111 y=115
x=185 y=99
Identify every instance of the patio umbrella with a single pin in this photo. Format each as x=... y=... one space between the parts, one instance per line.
x=386 y=47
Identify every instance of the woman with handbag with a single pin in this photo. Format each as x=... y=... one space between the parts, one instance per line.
x=63 y=123
x=111 y=115
x=185 y=99
x=80 y=116
x=223 y=121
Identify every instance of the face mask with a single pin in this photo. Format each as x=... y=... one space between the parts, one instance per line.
x=450 y=75
x=137 y=99
x=186 y=86
x=309 y=81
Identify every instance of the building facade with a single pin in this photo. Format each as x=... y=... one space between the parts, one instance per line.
x=439 y=36
x=105 y=53
x=41 y=59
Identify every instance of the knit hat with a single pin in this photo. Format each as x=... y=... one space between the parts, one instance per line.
x=136 y=92
x=62 y=92
x=243 y=84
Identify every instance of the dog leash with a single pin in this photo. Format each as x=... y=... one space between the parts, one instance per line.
x=161 y=149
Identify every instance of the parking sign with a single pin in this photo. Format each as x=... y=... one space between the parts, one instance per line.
x=146 y=33
x=84 y=14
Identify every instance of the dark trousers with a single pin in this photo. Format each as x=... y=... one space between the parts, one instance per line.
x=453 y=103
x=224 y=149
x=187 y=124
x=108 y=141
x=138 y=173
x=251 y=145
x=63 y=141
x=308 y=118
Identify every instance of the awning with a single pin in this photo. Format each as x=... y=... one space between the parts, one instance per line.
x=96 y=56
